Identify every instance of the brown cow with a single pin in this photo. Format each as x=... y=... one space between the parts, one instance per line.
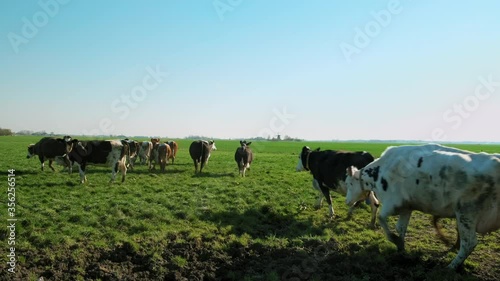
x=174 y=147
x=160 y=154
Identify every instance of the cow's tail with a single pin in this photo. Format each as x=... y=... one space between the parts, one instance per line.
x=202 y=151
x=439 y=233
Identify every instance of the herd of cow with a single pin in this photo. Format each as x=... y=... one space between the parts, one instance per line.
x=442 y=181
x=122 y=154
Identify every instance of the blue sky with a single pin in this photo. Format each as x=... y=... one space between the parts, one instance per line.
x=318 y=70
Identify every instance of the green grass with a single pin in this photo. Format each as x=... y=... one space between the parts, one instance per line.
x=215 y=226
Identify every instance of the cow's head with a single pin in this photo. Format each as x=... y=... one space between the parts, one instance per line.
x=302 y=165
x=211 y=144
x=155 y=140
x=354 y=186
x=31 y=151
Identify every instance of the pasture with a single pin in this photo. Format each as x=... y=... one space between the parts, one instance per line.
x=214 y=226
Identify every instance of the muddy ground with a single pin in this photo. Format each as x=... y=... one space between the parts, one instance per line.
x=198 y=259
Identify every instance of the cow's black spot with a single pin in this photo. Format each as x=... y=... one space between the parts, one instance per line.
x=443 y=172
x=384 y=183
x=487 y=179
x=417 y=181
x=460 y=179
x=373 y=172
x=420 y=160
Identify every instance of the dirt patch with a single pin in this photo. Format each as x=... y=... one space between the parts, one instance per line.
x=184 y=258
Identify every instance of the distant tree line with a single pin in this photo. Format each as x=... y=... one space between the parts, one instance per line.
x=5 y=132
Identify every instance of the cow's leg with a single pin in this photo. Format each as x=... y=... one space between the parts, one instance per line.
x=401 y=227
x=50 y=165
x=42 y=160
x=68 y=163
x=195 y=166
x=114 y=170
x=81 y=170
x=202 y=164
x=387 y=211
x=326 y=192
x=468 y=240
x=374 y=206
x=123 y=169
x=320 y=194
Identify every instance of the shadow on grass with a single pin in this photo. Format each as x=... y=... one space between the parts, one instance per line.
x=212 y=175
x=263 y=222
x=182 y=257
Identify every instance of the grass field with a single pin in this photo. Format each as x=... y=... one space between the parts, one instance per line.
x=214 y=226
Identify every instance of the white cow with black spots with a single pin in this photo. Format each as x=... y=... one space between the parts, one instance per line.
x=434 y=179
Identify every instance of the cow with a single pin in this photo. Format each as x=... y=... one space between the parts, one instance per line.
x=134 y=148
x=112 y=152
x=200 y=152
x=146 y=147
x=243 y=157
x=328 y=169
x=155 y=141
x=161 y=153
x=49 y=148
x=434 y=179
x=174 y=147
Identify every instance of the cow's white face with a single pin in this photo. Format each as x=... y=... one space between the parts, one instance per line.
x=353 y=186
x=212 y=146
x=300 y=166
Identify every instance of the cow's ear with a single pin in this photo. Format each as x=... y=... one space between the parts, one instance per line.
x=348 y=171
x=317 y=149
x=353 y=172
x=241 y=142
x=248 y=143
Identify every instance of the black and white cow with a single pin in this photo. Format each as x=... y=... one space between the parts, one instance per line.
x=243 y=157
x=133 y=152
x=112 y=153
x=434 y=179
x=200 y=153
x=145 y=150
x=328 y=168
x=49 y=148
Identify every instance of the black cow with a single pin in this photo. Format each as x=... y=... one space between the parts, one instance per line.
x=243 y=157
x=113 y=153
x=328 y=168
x=49 y=148
x=200 y=152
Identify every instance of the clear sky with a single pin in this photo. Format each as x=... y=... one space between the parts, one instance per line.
x=317 y=70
